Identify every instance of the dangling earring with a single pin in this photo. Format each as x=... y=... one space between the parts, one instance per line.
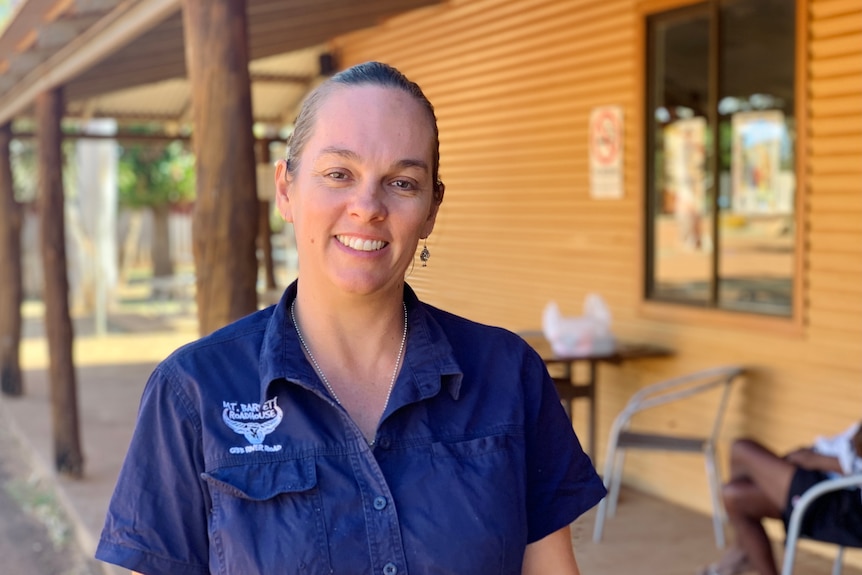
x=425 y=255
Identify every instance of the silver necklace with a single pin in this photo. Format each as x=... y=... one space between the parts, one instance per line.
x=323 y=375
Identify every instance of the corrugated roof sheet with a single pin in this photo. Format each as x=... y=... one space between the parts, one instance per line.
x=140 y=73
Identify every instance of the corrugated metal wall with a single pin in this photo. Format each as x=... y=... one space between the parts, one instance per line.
x=513 y=82
x=834 y=199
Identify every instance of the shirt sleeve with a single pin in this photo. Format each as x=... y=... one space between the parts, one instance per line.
x=157 y=521
x=562 y=483
x=841 y=447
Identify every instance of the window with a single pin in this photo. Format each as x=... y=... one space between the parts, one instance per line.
x=721 y=162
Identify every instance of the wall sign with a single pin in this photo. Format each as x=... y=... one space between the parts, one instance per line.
x=606 y=152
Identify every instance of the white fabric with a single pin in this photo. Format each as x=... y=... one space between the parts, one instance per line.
x=841 y=446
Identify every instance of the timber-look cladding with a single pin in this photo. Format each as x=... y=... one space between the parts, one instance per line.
x=513 y=83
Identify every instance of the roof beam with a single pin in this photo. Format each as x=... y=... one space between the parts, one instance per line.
x=119 y=136
x=61 y=32
x=19 y=64
x=87 y=6
x=124 y=24
x=66 y=7
x=25 y=18
x=58 y=9
x=268 y=78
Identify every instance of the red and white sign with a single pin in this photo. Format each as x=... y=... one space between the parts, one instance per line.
x=606 y=152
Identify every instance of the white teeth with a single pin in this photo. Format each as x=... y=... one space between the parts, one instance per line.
x=361 y=245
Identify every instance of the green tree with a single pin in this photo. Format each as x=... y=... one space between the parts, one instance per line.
x=157 y=176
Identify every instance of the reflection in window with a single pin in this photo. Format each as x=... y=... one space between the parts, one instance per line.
x=721 y=138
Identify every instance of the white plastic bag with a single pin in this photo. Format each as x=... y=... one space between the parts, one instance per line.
x=582 y=335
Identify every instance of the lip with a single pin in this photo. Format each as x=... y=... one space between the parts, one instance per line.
x=361 y=244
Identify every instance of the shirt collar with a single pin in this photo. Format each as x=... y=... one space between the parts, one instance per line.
x=429 y=360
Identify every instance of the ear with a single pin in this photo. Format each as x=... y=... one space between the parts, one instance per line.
x=282 y=186
x=428 y=226
x=437 y=199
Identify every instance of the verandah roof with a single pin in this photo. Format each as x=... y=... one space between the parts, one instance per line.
x=125 y=59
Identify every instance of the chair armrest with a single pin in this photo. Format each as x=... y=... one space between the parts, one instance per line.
x=676 y=388
x=825 y=486
x=801 y=507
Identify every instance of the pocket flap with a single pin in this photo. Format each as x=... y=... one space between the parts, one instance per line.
x=262 y=481
x=470 y=448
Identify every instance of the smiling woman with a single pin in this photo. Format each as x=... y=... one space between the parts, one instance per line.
x=361 y=193
x=352 y=428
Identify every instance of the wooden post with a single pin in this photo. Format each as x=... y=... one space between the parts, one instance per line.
x=264 y=230
x=68 y=458
x=224 y=223
x=11 y=287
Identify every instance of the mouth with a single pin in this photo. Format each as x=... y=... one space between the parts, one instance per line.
x=361 y=245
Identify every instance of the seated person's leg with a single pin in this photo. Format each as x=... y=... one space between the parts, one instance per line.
x=759 y=485
x=765 y=469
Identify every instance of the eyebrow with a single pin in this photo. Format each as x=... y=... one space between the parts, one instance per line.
x=341 y=152
x=413 y=164
x=351 y=155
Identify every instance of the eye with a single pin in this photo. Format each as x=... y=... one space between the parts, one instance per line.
x=336 y=175
x=404 y=184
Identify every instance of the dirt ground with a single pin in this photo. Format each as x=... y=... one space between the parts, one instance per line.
x=35 y=534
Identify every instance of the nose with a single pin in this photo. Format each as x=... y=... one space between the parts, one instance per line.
x=368 y=202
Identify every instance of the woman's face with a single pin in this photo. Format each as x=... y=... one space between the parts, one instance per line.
x=362 y=195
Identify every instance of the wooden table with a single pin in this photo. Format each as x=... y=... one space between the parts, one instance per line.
x=570 y=389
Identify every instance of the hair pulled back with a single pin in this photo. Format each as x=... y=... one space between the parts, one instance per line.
x=366 y=74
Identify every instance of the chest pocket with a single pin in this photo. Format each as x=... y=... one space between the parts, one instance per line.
x=267 y=518
x=485 y=509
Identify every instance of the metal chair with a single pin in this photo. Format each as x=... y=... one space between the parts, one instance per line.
x=622 y=438
x=799 y=512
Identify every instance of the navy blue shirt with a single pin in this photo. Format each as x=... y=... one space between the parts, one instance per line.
x=241 y=462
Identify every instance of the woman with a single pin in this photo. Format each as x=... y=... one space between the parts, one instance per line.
x=352 y=428
x=766 y=485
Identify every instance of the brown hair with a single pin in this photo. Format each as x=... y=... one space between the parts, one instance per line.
x=367 y=74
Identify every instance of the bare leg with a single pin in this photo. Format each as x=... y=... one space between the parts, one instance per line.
x=759 y=485
x=746 y=507
x=771 y=473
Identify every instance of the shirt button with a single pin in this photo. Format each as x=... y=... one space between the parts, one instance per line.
x=390 y=569
x=379 y=504
x=384 y=442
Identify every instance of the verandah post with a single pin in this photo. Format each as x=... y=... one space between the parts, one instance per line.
x=225 y=220
x=68 y=458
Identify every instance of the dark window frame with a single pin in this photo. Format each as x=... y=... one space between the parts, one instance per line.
x=712 y=9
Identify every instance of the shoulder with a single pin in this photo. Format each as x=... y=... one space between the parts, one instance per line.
x=231 y=353
x=477 y=343
x=459 y=326
x=236 y=336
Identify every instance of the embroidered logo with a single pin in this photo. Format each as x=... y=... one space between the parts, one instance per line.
x=254 y=421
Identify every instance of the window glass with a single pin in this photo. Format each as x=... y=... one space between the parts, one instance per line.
x=722 y=70
x=682 y=252
x=757 y=162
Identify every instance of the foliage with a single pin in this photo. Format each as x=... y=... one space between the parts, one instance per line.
x=155 y=174
x=24 y=174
